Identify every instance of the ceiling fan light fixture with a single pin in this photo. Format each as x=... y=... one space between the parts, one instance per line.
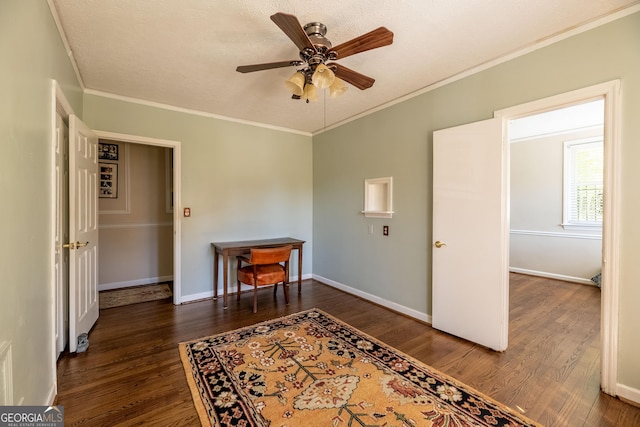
x=309 y=93
x=337 y=88
x=295 y=84
x=323 y=77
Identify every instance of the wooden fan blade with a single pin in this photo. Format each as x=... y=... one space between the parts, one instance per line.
x=360 y=81
x=290 y=25
x=270 y=65
x=371 y=40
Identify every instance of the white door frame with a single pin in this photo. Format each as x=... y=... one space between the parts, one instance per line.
x=61 y=236
x=59 y=105
x=610 y=91
x=175 y=145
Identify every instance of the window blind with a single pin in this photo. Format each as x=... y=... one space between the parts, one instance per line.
x=584 y=201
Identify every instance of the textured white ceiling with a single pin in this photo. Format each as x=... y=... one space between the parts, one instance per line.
x=184 y=52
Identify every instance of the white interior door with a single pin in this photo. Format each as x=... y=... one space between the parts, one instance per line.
x=470 y=233
x=61 y=235
x=83 y=230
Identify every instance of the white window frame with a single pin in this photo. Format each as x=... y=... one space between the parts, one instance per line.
x=568 y=222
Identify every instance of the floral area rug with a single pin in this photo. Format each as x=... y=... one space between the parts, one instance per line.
x=310 y=369
x=133 y=295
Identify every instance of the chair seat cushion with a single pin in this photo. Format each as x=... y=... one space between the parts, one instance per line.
x=267 y=274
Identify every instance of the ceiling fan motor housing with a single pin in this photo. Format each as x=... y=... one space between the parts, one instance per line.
x=316 y=32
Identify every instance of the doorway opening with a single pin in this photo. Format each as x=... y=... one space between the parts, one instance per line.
x=171 y=156
x=135 y=211
x=610 y=93
x=556 y=212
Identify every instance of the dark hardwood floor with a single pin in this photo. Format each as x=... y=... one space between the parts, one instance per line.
x=131 y=374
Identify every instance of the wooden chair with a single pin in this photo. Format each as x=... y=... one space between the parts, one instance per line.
x=268 y=266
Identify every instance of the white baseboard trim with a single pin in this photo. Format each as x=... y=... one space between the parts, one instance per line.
x=6 y=374
x=232 y=288
x=131 y=283
x=51 y=397
x=198 y=297
x=551 y=276
x=628 y=393
x=375 y=299
x=294 y=280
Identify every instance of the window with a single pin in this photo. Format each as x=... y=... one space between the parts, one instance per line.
x=583 y=187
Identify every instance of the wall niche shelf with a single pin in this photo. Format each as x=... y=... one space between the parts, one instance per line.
x=378 y=197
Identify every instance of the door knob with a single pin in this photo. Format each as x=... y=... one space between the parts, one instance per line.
x=439 y=244
x=75 y=245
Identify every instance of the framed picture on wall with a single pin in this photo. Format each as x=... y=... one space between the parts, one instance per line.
x=108 y=180
x=107 y=151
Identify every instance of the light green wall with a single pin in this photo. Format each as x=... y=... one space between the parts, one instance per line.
x=390 y=267
x=31 y=54
x=241 y=182
x=397 y=141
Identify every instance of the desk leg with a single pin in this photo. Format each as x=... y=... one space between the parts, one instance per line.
x=215 y=274
x=300 y=270
x=225 y=277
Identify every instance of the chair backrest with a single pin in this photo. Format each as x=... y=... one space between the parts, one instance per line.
x=270 y=255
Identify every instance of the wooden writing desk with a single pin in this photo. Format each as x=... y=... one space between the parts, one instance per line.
x=238 y=248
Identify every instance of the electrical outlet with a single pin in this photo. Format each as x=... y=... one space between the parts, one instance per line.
x=187 y=212
x=385 y=230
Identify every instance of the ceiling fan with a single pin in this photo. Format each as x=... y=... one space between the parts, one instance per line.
x=316 y=52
